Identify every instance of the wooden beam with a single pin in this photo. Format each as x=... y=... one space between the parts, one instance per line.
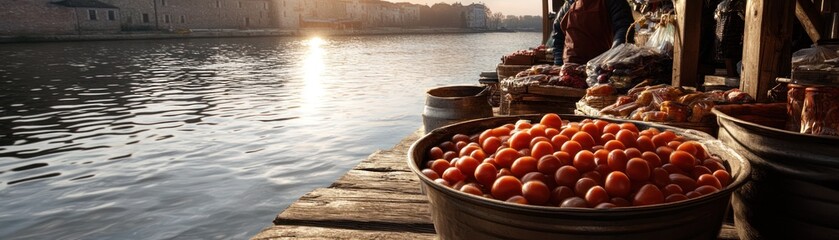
x=547 y=24
x=811 y=19
x=686 y=47
x=766 y=45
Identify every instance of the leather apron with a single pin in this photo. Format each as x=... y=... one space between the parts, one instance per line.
x=588 y=31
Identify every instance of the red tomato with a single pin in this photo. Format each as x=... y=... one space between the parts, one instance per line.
x=506 y=156
x=584 y=161
x=501 y=131
x=614 y=144
x=674 y=169
x=551 y=120
x=536 y=192
x=538 y=130
x=675 y=198
x=447 y=146
x=453 y=175
x=538 y=139
x=564 y=158
x=593 y=175
x=574 y=202
x=660 y=177
x=652 y=159
x=612 y=128
x=471 y=188
x=435 y=153
x=484 y=135
x=460 y=138
x=713 y=164
x=558 y=140
x=548 y=164
x=606 y=137
x=584 y=139
x=686 y=183
x=569 y=132
x=430 y=174
x=674 y=144
x=708 y=180
x=637 y=169
x=663 y=138
x=523 y=124
x=541 y=149
x=520 y=140
x=524 y=165
x=506 y=187
x=693 y=194
x=485 y=174
x=567 y=176
x=617 y=160
x=443 y=182
x=583 y=185
x=592 y=130
x=467 y=150
x=551 y=132
x=467 y=165
x=630 y=127
x=648 y=194
x=559 y=194
x=620 y=202
x=479 y=154
x=571 y=147
x=683 y=160
x=723 y=177
x=626 y=137
x=632 y=153
x=596 y=195
x=449 y=155
x=698 y=170
x=664 y=153
x=645 y=144
x=705 y=190
x=517 y=199
x=491 y=145
x=617 y=184
x=503 y=172
x=601 y=157
x=605 y=205
x=536 y=176
x=671 y=189
x=440 y=166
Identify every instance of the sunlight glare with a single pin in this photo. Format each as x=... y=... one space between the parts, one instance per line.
x=313 y=68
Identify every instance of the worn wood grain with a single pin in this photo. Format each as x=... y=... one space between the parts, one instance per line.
x=686 y=47
x=310 y=232
x=766 y=45
x=811 y=19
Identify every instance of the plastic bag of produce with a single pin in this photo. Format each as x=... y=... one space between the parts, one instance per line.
x=812 y=58
x=663 y=37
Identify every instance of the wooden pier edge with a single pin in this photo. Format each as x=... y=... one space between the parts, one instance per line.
x=378 y=199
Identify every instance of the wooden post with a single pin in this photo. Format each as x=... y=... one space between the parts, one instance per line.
x=766 y=45
x=686 y=47
x=811 y=19
x=547 y=24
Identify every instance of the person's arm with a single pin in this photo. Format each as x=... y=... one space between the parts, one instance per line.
x=558 y=34
x=621 y=16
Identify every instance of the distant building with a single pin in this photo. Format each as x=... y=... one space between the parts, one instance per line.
x=410 y=13
x=196 y=14
x=289 y=13
x=476 y=16
x=57 y=17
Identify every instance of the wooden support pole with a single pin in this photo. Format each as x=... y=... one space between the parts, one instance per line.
x=547 y=24
x=766 y=45
x=686 y=47
x=811 y=19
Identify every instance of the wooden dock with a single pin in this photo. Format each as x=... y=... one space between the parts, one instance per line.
x=378 y=199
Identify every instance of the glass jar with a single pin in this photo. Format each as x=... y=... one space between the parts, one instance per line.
x=820 y=112
x=795 y=101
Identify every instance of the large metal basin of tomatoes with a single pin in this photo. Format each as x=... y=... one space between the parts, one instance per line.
x=459 y=215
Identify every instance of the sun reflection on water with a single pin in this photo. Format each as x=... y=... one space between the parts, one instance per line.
x=313 y=68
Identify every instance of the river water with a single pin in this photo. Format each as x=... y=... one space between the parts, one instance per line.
x=206 y=138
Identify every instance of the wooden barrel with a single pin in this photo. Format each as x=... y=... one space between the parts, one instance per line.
x=794 y=187
x=452 y=104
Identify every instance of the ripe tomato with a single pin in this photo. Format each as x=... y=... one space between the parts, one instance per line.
x=571 y=147
x=596 y=195
x=664 y=153
x=683 y=160
x=612 y=128
x=435 y=153
x=592 y=130
x=524 y=165
x=617 y=184
x=708 y=180
x=569 y=132
x=491 y=145
x=605 y=205
x=523 y=124
x=517 y=199
x=430 y=174
x=551 y=120
x=541 y=149
x=485 y=174
x=584 y=139
x=536 y=192
x=520 y=140
x=617 y=160
x=551 y=132
x=506 y=156
x=671 y=189
x=606 y=137
x=660 y=177
x=567 y=176
x=638 y=169
x=453 y=175
x=584 y=161
x=593 y=175
x=663 y=138
x=538 y=130
x=630 y=127
x=467 y=165
x=473 y=189
x=460 y=138
x=645 y=144
x=564 y=158
x=440 y=166
x=723 y=177
x=506 y=187
x=614 y=144
x=648 y=194
x=675 y=198
x=583 y=185
x=558 y=140
x=686 y=183
x=447 y=146
x=574 y=202
x=626 y=137
x=652 y=159
x=548 y=164
x=632 y=153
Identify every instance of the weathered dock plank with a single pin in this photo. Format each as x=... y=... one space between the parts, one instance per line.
x=378 y=199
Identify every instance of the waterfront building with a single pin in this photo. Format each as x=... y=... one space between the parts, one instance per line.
x=196 y=14
x=62 y=17
x=289 y=13
x=476 y=16
x=410 y=13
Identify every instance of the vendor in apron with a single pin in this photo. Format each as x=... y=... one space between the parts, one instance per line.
x=589 y=28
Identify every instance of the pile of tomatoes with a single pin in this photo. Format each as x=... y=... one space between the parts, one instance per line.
x=590 y=164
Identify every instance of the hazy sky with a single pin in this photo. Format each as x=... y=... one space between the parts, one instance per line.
x=508 y=7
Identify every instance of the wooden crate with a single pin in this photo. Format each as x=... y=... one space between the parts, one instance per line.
x=541 y=99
